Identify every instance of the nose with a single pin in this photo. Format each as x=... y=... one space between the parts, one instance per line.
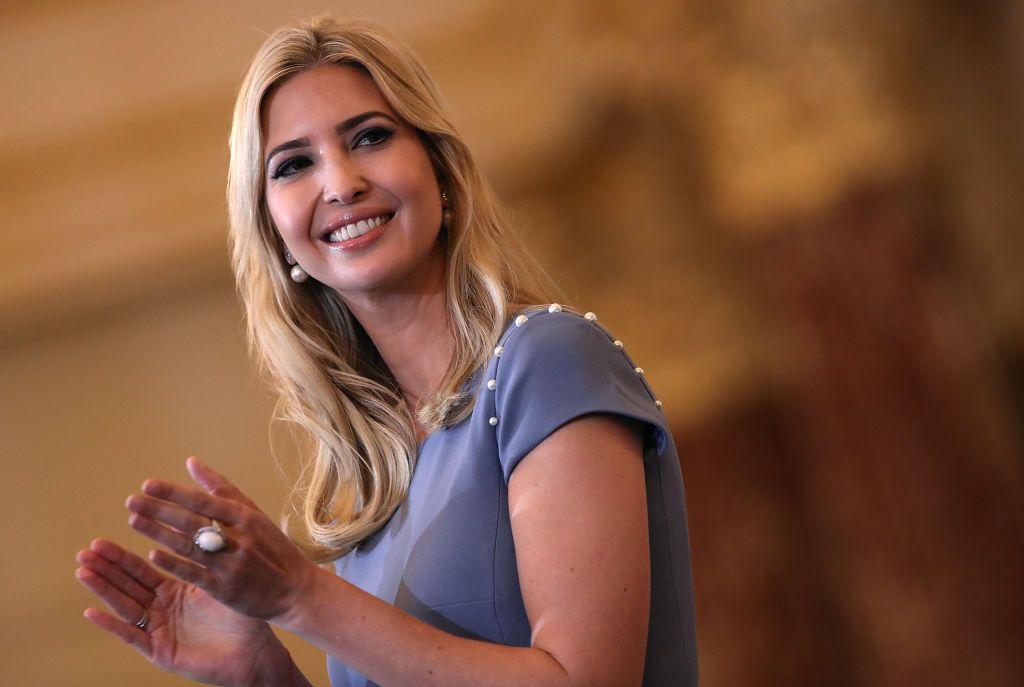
x=343 y=181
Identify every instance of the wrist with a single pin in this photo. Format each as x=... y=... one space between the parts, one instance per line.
x=304 y=599
x=273 y=666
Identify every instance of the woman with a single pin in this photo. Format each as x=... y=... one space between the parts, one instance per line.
x=540 y=539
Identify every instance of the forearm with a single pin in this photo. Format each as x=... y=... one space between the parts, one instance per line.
x=393 y=648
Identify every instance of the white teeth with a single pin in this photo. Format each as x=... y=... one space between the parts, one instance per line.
x=351 y=231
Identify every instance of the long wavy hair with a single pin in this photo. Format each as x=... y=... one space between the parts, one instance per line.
x=330 y=379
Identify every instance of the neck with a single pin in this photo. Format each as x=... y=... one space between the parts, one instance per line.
x=410 y=331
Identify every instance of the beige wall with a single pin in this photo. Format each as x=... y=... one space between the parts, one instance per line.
x=87 y=413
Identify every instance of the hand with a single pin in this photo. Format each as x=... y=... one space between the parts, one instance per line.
x=259 y=573
x=187 y=632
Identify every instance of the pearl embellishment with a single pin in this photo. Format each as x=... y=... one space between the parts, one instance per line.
x=492 y=384
x=298 y=274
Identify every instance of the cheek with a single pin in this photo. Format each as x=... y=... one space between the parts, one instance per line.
x=419 y=183
x=287 y=213
x=409 y=173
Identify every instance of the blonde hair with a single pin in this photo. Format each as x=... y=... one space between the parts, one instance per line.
x=331 y=381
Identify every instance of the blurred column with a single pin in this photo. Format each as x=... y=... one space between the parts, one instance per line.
x=907 y=452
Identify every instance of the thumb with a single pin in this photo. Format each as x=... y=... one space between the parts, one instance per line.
x=214 y=482
x=206 y=477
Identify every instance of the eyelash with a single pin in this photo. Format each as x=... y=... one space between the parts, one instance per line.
x=372 y=138
x=380 y=134
x=281 y=171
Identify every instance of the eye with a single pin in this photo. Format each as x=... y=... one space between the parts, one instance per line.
x=291 y=166
x=372 y=137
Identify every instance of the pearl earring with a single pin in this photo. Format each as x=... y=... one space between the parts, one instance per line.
x=446 y=212
x=298 y=274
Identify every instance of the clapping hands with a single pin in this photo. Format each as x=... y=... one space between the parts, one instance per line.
x=207 y=621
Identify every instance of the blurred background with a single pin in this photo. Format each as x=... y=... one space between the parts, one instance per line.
x=802 y=217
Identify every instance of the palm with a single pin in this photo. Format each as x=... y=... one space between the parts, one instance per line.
x=194 y=635
x=187 y=632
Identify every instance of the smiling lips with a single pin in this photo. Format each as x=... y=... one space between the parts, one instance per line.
x=356 y=229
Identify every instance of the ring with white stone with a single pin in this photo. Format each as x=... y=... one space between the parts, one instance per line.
x=210 y=538
x=143 y=620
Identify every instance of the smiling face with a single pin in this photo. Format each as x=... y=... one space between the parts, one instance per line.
x=350 y=185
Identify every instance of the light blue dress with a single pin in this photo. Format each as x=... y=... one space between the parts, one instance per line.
x=447 y=556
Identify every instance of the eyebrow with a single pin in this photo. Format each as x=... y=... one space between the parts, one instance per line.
x=341 y=129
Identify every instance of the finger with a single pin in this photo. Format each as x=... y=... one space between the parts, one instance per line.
x=178 y=542
x=181 y=519
x=126 y=632
x=135 y=566
x=184 y=570
x=117 y=576
x=222 y=509
x=214 y=482
x=114 y=597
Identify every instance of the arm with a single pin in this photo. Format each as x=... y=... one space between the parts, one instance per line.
x=579 y=520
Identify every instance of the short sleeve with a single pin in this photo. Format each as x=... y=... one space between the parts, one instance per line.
x=554 y=367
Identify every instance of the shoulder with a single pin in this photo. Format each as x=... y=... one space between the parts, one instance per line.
x=552 y=366
x=551 y=334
